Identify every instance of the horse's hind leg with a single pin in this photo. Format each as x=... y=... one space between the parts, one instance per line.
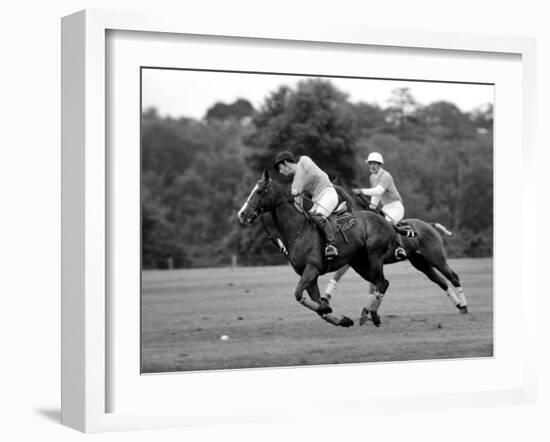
x=374 y=300
x=434 y=253
x=373 y=272
x=444 y=268
x=425 y=267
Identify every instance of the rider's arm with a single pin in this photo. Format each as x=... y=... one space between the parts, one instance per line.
x=296 y=190
x=374 y=191
x=299 y=179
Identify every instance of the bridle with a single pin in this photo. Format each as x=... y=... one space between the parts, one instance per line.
x=258 y=212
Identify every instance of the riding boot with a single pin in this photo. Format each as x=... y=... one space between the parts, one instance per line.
x=324 y=226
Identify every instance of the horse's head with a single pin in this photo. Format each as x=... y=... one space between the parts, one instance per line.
x=260 y=200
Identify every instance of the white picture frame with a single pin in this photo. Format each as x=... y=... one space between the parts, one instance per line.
x=86 y=202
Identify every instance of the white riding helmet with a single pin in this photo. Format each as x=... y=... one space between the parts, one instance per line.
x=376 y=157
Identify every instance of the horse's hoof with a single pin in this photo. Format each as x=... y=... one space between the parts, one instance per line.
x=463 y=309
x=324 y=307
x=346 y=322
x=375 y=319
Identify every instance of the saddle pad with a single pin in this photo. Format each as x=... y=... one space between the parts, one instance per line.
x=345 y=221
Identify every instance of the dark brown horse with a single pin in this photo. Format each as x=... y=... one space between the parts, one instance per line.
x=370 y=241
x=425 y=252
x=369 y=244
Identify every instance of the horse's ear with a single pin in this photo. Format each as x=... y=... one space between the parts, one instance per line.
x=266 y=175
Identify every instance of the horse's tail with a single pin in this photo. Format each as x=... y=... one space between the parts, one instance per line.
x=441 y=228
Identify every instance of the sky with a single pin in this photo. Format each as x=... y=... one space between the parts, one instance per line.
x=179 y=93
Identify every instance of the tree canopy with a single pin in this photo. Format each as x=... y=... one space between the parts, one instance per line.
x=197 y=173
x=315 y=119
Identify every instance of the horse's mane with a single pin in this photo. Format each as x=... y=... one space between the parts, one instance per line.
x=280 y=188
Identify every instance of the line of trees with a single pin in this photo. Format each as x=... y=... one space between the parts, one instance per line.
x=197 y=173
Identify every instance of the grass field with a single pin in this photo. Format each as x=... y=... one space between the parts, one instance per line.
x=185 y=312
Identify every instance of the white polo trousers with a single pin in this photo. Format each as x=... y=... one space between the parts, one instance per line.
x=394 y=211
x=325 y=202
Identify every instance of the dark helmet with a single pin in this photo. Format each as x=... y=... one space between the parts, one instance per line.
x=282 y=156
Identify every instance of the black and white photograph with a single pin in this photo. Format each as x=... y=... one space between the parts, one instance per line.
x=303 y=220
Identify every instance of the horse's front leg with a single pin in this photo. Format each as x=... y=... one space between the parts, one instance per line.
x=315 y=296
x=308 y=282
x=320 y=306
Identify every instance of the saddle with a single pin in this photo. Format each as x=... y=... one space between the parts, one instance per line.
x=342 y=220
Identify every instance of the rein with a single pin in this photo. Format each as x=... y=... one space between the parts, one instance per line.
x=260 y=210
x=276 y=241
x=369 y=206
x=288 y=199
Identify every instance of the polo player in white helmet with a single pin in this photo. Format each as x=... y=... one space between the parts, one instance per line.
x=383 y=191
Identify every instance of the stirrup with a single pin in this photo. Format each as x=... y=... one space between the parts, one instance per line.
x=331 y=251
x=400 y=253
